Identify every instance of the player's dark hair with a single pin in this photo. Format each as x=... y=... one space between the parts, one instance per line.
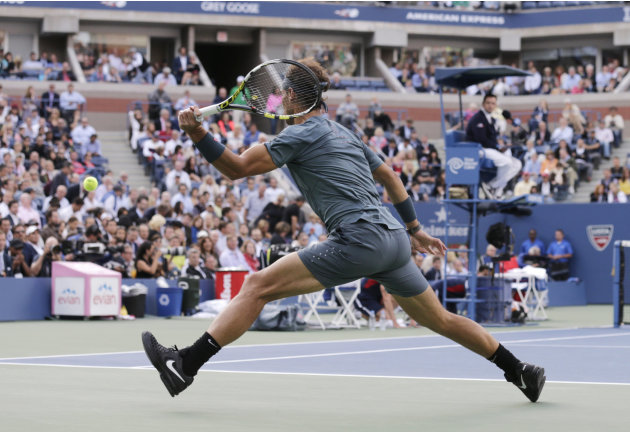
x=296 y=74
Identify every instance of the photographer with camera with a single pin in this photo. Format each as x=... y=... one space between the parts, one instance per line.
x=91 y=248
x=42 y=266
x=15 y=264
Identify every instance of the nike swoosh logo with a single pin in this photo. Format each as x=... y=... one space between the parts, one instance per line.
x=522 y=382
x=169 y=364
x=213 y=344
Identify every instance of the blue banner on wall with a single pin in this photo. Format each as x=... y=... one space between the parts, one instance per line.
x=340 y=11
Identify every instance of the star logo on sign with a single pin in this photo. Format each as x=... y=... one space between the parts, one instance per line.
x=441 y=215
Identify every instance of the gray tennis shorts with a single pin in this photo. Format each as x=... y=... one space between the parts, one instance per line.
x=363 y=249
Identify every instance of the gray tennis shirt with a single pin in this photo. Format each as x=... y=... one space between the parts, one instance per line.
x=333 y=169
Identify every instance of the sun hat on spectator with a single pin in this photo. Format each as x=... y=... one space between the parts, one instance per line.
x=30 y=230
x=202 y=234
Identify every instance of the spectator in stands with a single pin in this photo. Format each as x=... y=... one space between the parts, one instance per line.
x=252 y=135
x=165 y=77
x=71 y=104
x=185 y=101
x=524 y=186
x=615 y=195
x=179 y=173
x=583 y=160
x=232 y=256
x=26 y=212
x=616 y=170
x=562 y=132
x=481 y=128
x=559 y=253
x=93 y=147
x=139 y=70
x=249 y=253
x=599 y=194
x=66 y=73
x=294 y=216
x=49 y=101
x=180 y=63
x=335 y=82
x=603 y=78
x=605 y=137
x=82 y=132
x=614 y=121
x=14 y=261
x=435 y=272
x=193 y=266
x=532 y=241
x=348 y=113
x=148 y=261
x=533 y=82
x=158 y=99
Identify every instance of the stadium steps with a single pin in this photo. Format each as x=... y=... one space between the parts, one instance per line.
x=116 y=149
x=583 y=193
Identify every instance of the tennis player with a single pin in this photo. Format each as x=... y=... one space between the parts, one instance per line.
x=336 y=173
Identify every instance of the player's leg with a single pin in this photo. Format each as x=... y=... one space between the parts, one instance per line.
x=427 y=310
x=413 y=294
x=286 y=277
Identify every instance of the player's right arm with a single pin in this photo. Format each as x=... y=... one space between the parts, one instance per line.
x=256 y=160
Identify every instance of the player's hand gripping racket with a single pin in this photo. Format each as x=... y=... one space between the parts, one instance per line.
x=280 y=89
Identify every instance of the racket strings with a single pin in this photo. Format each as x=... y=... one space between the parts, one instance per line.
x=267 y=87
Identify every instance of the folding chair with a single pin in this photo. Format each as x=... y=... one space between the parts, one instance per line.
x=346 y=295
x=315 y=303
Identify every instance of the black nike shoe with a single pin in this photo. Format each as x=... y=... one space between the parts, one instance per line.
x=168 y=362
x=529 y=378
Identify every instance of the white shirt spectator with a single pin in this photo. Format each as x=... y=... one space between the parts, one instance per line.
x=570 y=81
x=62 y=204
x=272 y=193
x=65 y=213
x=113 y=203
x=562 y=133
x=82 y=133
x=169 y=78
x=183 y=178
x=169 y=146
x=617 y=120
x=604 y=135
x=186 y=201
x=232 y=258
x=533 y=82
x=71 y=101
x=184 y=102
x=602 y=79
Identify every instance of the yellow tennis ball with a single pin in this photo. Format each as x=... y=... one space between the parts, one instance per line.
x=90 y=183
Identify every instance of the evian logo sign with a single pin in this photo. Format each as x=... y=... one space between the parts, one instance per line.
x=69 y=296
x=104 y=295
x=600 y=235
x=455 y=164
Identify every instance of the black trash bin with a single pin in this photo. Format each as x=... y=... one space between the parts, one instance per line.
x=192 y=293
x=135 y=305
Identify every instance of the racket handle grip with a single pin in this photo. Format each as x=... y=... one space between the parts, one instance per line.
x=208 y=111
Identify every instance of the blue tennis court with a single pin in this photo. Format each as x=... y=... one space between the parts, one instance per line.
x=92 y=376
x=568 y=355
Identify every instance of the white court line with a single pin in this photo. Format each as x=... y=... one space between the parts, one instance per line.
x=339 y=353
x=406 y=377
x=147 y=368
x=577 y=346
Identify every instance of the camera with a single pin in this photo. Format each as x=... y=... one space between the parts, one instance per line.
x=56 y=250
x=180 y=250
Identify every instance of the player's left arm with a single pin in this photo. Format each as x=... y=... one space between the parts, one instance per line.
x=256 y=160
x=420 y=241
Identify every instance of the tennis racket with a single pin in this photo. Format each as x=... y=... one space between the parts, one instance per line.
x=275 y=85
